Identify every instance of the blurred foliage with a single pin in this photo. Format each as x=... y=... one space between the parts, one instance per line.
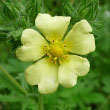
x=92 y=91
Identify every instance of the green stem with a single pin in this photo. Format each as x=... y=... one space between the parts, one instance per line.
x=13 y=80
x=40 y=102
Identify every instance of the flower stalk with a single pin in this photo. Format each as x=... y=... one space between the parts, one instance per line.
x=40 y=103
x=13 y=80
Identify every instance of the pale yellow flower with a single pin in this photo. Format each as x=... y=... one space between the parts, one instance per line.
x=56 y=62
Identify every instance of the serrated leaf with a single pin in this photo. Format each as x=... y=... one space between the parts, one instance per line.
x=33 y=8
x=84 y=9
x=3 y=18
x=88 y=10
x=10 y=10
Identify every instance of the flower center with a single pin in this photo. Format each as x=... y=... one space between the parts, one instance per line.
x=56 y=50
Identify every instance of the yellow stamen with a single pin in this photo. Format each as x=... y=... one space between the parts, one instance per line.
x=55 y=59
x=56 y=51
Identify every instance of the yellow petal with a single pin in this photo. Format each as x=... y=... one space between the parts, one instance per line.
x=52 y=27
x=43 y=73
x=70 y=68
x=79 y=40
x=32 y=48
x=32 y=75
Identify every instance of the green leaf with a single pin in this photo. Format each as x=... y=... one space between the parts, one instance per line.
x=10 y=11
x=88 y=10
x=11 y=98
x=94 y=98
x=3 y=18
x=34 y=7
x=84 y=10
x=13 y=38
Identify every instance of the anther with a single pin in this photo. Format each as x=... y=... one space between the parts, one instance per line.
x=55 y=58
x=64 y=56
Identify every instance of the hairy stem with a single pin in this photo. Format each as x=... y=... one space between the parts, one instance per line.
x=40 y=102
x=13 y=80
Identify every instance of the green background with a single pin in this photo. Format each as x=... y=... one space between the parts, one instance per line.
x=92 y=91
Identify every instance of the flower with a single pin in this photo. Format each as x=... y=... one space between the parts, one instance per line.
x=55 y=56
